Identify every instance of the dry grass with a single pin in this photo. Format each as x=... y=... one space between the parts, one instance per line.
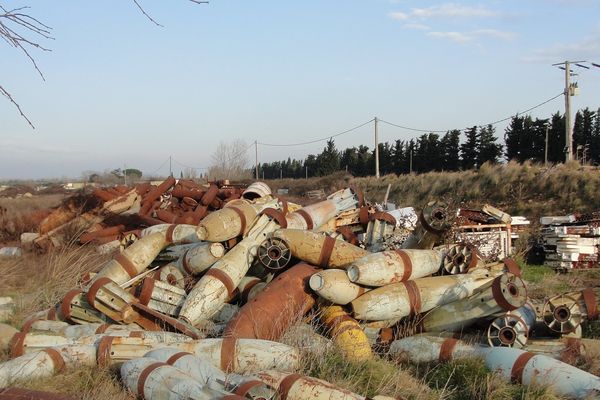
x=37 y=282
x=23 y=214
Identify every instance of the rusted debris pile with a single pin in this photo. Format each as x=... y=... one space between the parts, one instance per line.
x=114 y=217
x=571 y=241
x=197 y=308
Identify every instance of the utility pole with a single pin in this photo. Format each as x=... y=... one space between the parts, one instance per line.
x=125 y=173
x=570 y=90
x=376 y=150
x=280 y=173
x=306 y=172
x=410 y=164
x=546 y=149
x=170 y=166
x=256 y=157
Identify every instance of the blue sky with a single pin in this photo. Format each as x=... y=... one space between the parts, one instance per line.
x=120 y=90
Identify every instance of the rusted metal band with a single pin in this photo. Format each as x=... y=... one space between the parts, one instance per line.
x=245 y=387
x=171 y=360
x=248 y=288
x=242 y=219
x=361 y=291
x=51 y=314
x=276 y=215
x=223 y=278
x=102 y=329
x=516 y=373
x=57 y=359
x=286 y=385
x=169 y=233
x=363 y=215
x=499 y=296
x=185 y=263
x=414 y=297
x=228 y=350
x=383 y=216
x=385 y=336
x=326 y=251
x=65 y=305
x=27 y=325
x=146 y=291
x=589 y=299
x=474 y=260
x=144 y=375
x=512 y=266
x=307 y=218
x=137 y=334
x=359 y=195
x=103 y=352
x=17 y=343
x=348 y=234
x=408 y=267
x=96 y=286
x=446 y=349
x=127 y=265
x=284 y=206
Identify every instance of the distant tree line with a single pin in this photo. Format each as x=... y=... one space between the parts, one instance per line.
x=524 y=139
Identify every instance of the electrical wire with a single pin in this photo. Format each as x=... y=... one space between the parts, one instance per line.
x=159 y=168
x=227 y=160
x=491 y=123
x=317 y=140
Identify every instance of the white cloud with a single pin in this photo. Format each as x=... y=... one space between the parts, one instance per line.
x=453 y=10
x=465 y=37
x=453 y=36
x=419 y=27
x=586 y=48
x=400 y=16
x=494 y=33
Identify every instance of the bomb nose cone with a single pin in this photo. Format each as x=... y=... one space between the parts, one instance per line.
x=353 y=273
x=316 y=282
x=202 y=233
x=217 y=250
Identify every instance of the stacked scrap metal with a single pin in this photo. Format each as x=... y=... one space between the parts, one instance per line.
x=491 y=230
x=195 y=308
x=571 y=241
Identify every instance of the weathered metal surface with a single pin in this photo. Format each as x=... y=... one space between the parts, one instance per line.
x=506 y=292
x=244 y=355
x=134 y=259
x=319 y=249
x=512 y=329
x=565 y=312
x=334 y=285
x=299 y=387
x=174 y=234
x=346 y=333
x=13 y=393
x=426 y=349
x=220 y=281
x=433 y=222
x=171 y=275
x=282 y=302
x=527 y=368
x=315 y=215
x=379 y=269
x=459 y=258
x=412 y=297
x=200 y=258
x=161 y=296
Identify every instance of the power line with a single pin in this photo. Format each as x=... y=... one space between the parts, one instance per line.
x=317 y=140
x=490 y=123
x=159 y=168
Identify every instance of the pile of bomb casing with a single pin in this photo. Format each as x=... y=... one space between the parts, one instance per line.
x=114 y=217
x=198 y=310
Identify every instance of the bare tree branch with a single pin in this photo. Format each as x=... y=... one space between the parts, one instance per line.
x=152 y=19
x=9 y=97
x=15 y=24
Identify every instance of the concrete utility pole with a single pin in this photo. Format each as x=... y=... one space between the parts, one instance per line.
x=170 y=165
x=569 y=91
x=376 y=150
x=256 y=157
x=410 y=164
x=546 y=148
x=306 y=172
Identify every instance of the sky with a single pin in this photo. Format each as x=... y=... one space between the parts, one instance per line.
x=122 y=91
